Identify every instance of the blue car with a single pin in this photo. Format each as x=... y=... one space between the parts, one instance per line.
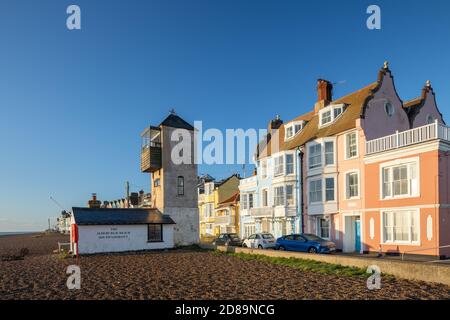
x=305 y=243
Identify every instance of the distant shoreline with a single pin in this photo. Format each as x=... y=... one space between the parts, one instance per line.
x=7 y=234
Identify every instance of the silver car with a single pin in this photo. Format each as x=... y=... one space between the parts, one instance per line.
x=260 y=241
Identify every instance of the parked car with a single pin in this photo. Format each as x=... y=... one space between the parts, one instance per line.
x=228 y=239
x=306 y=243
x=260 y=241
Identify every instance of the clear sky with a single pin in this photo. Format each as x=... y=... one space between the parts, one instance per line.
x=73 y=103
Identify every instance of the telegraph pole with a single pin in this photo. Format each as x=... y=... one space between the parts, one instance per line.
x=127 y=187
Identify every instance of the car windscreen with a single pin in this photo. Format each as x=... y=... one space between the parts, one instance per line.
x=311 y=237
x=267 y=236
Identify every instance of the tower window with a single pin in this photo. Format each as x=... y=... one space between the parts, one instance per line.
x=180 y=186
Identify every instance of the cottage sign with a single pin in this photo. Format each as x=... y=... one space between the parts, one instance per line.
x=114 y=233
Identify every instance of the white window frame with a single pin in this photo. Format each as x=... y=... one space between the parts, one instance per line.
x=331 y=109
x=401 y=242
x=325 y=153
x=244 y=201
x=347 y=186
x=397 y=163
x=265 y=191
x=263 y=169
x=292 y=126
x=319 y=227
x=319 y=165
x=286 y=163
x=325 y=189
x=276 y=196
x=347 y=147
x=286 y=195
x=278 y=168
x=309 y=191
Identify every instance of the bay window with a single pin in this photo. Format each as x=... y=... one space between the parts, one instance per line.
x=244 y=201
x=278 y=165
x=289 y=164
x=315 y=156
x=250 y=200
x=279 y=196
x=290 y=195
x=329 y=153
x=315 y=191
x=329 y=189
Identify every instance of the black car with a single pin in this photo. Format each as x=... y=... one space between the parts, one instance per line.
x=228 y=239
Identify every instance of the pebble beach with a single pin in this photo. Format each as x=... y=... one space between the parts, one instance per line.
x=179 y=274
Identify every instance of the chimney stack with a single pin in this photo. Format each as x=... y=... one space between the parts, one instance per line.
x=94 y=203
x=276 y=123
x=324 y=94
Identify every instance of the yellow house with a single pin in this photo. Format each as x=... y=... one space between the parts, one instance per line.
x=227 y=215
x=211 y=193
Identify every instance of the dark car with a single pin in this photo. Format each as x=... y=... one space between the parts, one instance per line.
x=228 y=239
x=305 y=243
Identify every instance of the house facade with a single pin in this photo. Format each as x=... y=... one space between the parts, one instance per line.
x=369 y=172
x=218 y=212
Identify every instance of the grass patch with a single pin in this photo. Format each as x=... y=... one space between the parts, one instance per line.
x=192 y=247
x=305 y=265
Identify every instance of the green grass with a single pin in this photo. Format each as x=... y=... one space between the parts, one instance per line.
x=305 y=265
x=192 y=247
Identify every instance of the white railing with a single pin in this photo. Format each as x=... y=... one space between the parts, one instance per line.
x=224 y=219
x=408 y=137
x=262 y=212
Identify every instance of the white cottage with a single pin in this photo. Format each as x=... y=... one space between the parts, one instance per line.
x=98 y=230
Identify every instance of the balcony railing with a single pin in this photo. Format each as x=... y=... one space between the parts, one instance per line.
x=224 y=219
x=262 y=212
x=151 y=157
x=409 y=137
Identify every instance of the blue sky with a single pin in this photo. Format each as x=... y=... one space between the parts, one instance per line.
x=73 y=103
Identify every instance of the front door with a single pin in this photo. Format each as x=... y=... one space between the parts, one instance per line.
x=358 y=235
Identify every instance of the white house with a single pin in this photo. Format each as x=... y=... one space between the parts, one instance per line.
x=99 y=230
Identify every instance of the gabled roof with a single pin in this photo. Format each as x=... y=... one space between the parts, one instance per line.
x=223 y=181
x=230 y=201
x=111 y=216
x=175 y=121
x=347 y=120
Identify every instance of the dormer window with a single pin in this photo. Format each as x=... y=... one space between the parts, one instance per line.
x=329 y=114
x=293 y=128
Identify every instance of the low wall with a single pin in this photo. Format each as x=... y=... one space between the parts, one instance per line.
x=403 y=269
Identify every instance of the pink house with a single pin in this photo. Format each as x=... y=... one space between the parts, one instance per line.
x=375 y=170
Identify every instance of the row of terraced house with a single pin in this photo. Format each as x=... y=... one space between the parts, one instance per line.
x=367 y=171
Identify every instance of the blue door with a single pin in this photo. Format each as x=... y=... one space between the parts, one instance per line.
x=357 y=235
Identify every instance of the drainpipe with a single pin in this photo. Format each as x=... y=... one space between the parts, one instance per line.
x=300 y=188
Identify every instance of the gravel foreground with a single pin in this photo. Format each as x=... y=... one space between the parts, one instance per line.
x=181 y=274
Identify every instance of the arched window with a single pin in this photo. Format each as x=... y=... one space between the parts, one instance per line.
x=430 y=119
x=180 y=185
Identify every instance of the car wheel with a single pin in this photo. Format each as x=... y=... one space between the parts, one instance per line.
x=244 y=245
x=260 y=247
x=312 y=250
x=281 y=248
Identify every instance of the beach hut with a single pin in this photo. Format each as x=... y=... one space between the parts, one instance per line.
x=99 y=230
